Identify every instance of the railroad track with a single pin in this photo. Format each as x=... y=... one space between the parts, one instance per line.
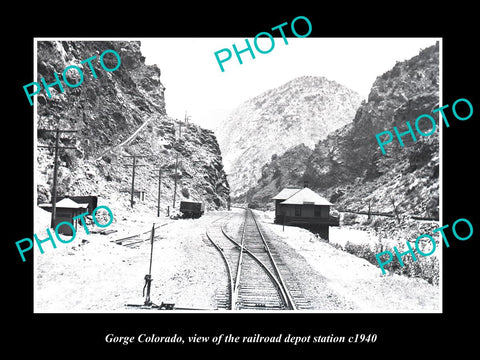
x=230 y=254
x=133 y=241
x=255 y=272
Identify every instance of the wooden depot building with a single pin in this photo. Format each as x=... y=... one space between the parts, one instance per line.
x=304 y=208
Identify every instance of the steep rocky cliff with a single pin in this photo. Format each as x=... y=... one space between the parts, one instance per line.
x=280 y=172
x=302 y=111
x=348 y=165
x=118 y=114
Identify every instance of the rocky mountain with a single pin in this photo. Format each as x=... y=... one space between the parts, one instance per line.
x=348 y=166
x=119 y=114
x=279 y=173
x=302 y=111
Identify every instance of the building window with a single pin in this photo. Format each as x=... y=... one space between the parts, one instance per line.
x=317 y=211
x=298 y=210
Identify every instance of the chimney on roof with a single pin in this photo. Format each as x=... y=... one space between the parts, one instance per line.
x=305 y=184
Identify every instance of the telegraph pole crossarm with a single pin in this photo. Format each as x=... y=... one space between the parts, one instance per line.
x=52 y=147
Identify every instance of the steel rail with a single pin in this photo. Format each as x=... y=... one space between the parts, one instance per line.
x=138 y=235
x=229 y=270
x=288 y=296
x=239 y=263
x=277 y=280
x=227 y=264
x=265 y=268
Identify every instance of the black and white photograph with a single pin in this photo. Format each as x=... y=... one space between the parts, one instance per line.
x=253 y=191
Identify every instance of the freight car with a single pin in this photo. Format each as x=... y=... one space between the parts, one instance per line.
x=192 y=209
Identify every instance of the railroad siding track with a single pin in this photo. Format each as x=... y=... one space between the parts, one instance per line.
x=230 y=255
x=134 y=241
x=256 y=290
x=287 y=276
x=255 y=281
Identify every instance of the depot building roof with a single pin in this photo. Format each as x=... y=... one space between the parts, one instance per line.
x=303 y=196
x=286 y=193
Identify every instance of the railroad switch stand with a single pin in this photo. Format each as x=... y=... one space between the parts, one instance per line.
x=148 y=283
x=148 y=304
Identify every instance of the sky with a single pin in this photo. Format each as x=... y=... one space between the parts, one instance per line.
x=196 y=85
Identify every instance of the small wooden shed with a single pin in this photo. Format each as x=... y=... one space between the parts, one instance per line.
x=66 y=210
x=137 y=193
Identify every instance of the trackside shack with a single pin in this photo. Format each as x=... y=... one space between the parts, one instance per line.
x=304 y=208
x=66 y=210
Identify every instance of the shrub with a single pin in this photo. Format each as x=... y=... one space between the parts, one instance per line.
x=349 y=219
x=362 y=251
x=185 y=193
x=426 y=268
x=253 y=205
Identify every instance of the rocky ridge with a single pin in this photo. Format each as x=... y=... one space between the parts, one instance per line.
x=348 y=166
x=106 y=112
x=280 y=172
x=302 y=111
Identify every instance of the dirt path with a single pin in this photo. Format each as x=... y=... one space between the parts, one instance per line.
x=97 y=275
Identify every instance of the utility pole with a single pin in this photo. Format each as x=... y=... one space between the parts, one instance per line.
x=134 y=165
x=176 y=162
x=55 y=169
x=186 y=118
x=175 y=184
x=159 y=190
